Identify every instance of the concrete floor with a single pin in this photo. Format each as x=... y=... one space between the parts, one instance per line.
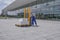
x=47 y=30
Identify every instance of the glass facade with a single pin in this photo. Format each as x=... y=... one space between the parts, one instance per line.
x=48 y=10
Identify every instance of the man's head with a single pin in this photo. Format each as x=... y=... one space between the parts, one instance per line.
x=33 y=14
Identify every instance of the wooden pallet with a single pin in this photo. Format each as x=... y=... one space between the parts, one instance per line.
x=18 y=25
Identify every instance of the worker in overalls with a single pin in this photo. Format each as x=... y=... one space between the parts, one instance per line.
x=33 y=20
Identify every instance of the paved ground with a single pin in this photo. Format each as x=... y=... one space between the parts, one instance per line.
x=47 y=30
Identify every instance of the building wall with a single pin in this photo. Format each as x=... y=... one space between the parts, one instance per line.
x=46 y=8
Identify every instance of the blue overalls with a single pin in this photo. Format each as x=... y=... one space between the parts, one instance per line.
x=33 y=20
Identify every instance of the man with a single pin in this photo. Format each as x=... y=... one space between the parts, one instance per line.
x=33 y=20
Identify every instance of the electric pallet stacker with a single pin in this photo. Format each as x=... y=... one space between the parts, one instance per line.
x=26 y=11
